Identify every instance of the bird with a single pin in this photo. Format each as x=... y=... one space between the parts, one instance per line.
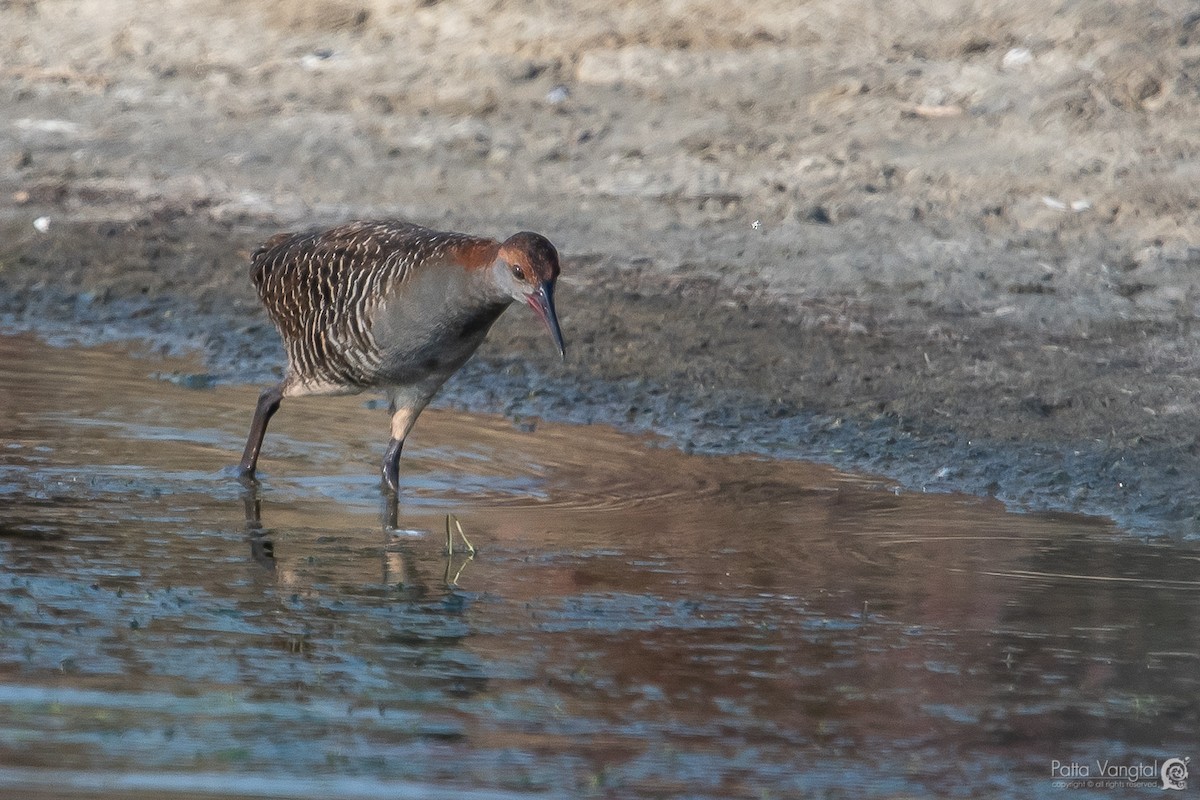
x=393 y=306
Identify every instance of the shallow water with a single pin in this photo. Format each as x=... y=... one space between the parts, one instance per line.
x=637 y=622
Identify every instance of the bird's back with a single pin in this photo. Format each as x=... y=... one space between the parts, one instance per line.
x=322 y=289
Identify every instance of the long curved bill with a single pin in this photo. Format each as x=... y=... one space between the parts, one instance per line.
x=542 y=303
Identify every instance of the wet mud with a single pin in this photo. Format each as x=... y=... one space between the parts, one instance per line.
x=637 y=621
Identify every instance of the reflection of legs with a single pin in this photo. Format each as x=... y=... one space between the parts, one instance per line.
x=262 y=549
x=268 y=404
x=253 y=504
x=400 y=571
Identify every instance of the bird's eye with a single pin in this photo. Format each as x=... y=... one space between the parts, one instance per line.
x=518 y=273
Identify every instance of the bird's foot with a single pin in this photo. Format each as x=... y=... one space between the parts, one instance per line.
x=248 y=479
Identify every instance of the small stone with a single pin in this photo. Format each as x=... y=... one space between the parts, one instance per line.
x=1016 y=58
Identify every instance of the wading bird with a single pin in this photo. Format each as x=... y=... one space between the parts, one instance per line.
x=390 y=306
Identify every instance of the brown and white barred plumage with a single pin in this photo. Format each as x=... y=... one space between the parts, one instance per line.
x=323 y=289
x=393 y=306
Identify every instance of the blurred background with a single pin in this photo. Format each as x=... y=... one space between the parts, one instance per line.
x=992 y=152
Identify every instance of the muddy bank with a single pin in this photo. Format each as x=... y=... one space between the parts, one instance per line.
x=956 y=248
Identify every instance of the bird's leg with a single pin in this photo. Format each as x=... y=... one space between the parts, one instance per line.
x=268 y=404
x=402 y=422
x=391 y=465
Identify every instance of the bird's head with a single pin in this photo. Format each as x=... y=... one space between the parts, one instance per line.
x=526 y=269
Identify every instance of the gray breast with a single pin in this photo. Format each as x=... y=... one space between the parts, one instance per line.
x=423 y=343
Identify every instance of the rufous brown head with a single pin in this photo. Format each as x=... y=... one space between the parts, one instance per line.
x=529 y=265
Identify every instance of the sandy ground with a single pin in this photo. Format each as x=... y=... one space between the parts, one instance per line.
x=958 y=245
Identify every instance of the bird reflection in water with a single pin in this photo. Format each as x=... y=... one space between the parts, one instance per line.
x=398 y=561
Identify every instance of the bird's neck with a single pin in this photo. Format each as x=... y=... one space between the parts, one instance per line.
x=475 y=255
x=446 y=293
x=474 y=286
